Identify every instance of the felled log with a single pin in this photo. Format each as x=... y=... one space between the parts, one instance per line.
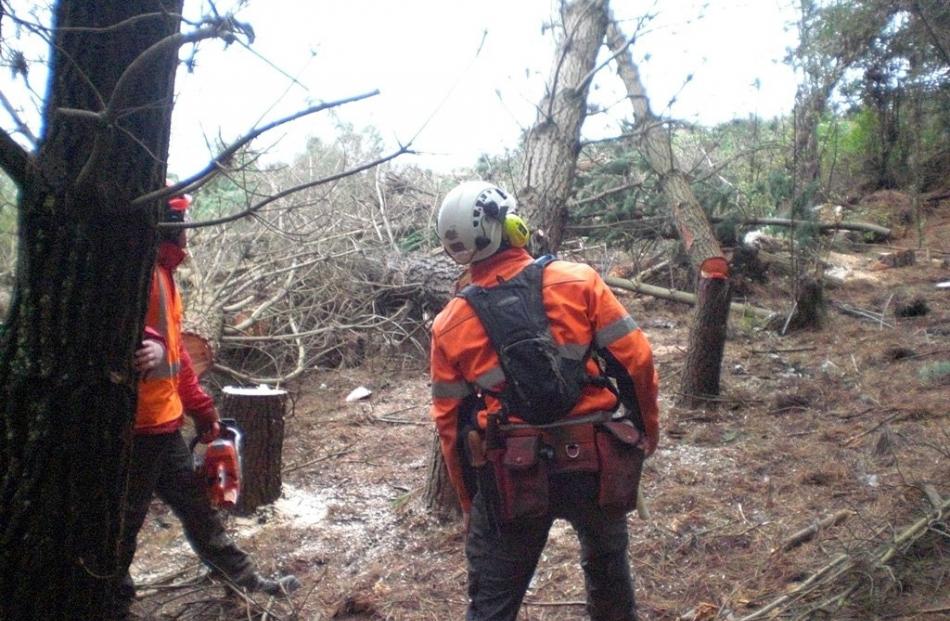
x=259 y=412
x=682 y=296
x=861 y=227
x=200 y=351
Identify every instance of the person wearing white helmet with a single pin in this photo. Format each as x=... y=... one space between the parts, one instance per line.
x=531 y=427
x=473 y=221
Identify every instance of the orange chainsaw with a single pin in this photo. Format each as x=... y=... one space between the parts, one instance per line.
x=219 y=469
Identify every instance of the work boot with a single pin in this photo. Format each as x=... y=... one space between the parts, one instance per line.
x=284 y=585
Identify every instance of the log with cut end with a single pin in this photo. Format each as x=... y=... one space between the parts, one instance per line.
x=259 y=412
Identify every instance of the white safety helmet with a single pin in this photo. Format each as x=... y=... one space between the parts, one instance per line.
x=471 y=220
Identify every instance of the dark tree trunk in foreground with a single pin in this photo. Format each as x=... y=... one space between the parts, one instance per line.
x=707 y=336
x=260 y=416
x=68 y=388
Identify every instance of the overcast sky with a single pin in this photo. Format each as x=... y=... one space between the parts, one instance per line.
x=423 y=55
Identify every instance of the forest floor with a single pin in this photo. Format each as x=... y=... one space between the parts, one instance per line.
x=848 y=423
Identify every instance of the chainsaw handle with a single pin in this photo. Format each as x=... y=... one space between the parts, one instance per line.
x=229 y=427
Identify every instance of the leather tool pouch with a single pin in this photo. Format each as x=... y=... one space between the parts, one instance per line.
x=574 y=448
x=521 y=476
x=621 y=463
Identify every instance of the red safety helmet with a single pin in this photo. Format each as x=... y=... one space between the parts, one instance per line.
x=176 y=207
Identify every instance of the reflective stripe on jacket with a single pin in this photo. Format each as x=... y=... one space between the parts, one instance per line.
x=582 y=311
x=170 y=388
x=159 y=403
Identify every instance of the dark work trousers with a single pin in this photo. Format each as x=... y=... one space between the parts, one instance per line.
x=163 y=465
x=501 y=564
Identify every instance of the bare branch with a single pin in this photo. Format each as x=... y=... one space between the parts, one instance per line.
x=250 y=210
x=590 y=74
x=21 y=127
x=608 y=192
x=14 y=159
x=219 y=163
x=142 y=62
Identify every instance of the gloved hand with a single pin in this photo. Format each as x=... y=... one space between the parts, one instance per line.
x=208 y=432
x=207 y=422
x=148 y=355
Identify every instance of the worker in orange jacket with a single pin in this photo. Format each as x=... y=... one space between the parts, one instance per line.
x=467 y=379
x=161 y=462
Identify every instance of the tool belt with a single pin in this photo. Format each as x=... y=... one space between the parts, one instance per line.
x=522 y=458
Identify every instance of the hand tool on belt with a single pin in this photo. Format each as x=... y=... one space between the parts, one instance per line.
x=479 y=449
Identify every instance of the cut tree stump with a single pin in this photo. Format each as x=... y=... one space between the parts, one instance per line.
x=259 y=412
x=898 y=258
x=440 y=497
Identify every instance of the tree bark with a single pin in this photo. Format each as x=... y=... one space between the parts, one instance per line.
x=260 y=417
x=440 y=497
x=68 y=387
x=552 y=144
x=707 y=337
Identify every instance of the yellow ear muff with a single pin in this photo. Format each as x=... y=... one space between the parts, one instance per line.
x=516 y=231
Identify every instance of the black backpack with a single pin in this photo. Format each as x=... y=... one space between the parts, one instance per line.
x=541 y=386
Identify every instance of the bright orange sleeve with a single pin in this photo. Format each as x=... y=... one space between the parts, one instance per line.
x=444 y=412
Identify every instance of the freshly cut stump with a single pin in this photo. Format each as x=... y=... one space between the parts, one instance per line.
x=259 y=413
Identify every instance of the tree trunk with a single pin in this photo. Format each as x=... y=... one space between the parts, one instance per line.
x=708 y=333
x=707 y=341
x=68 y=387
x=440 y=497
x=809 y=107
x=260 y=417
x=552 y=144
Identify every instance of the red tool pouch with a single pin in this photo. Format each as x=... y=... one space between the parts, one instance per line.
x=521 y=477
x=621 y=463
x=575 y=448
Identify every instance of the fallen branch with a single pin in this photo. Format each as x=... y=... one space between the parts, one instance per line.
x=860 y=435
x=931 y=493
x=863 y=227
x=681 y=296
x=786 y=350
x=844 y=563
x=165 y=579
x=400 y=421
x=922 y=611
x=877 y=318
x=807 y=534
x=316 y=460
x=640 y=277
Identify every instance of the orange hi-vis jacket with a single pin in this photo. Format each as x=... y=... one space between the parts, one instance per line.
x=582 y=311
x=171 y=387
